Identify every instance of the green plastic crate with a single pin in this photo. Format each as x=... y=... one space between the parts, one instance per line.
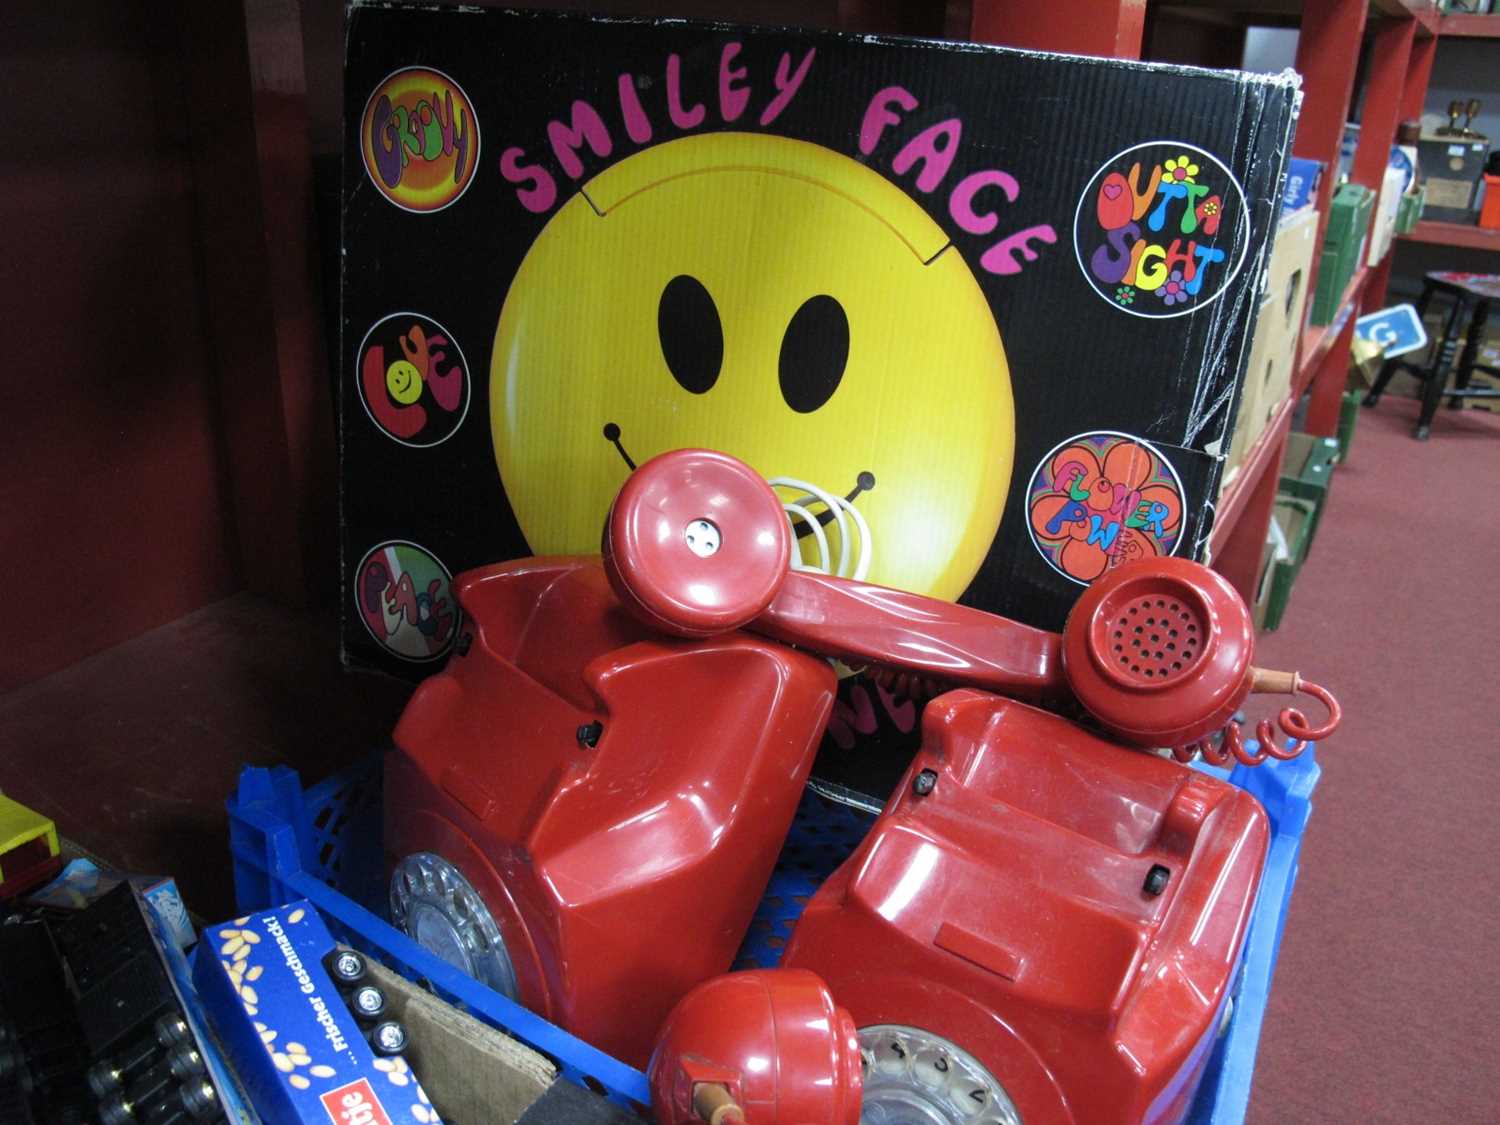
x=1410 y=209
x=1326 y=296
x=1297 y=519
x=1343 y=244
x=1305 y=473
x=1348 y=417
x=1348 y=217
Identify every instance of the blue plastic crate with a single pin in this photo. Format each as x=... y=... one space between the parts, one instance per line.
x=323 y=844
x=1285 y=789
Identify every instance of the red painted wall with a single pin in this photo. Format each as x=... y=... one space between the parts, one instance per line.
x=168 y=399
x=113 y=502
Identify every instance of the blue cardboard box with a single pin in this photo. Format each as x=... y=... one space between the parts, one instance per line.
x=295 y=1045
x=1301 y=182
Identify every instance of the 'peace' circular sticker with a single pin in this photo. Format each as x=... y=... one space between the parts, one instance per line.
x=402 y=594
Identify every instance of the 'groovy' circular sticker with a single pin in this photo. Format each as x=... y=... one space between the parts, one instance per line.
x=419 y=139
x=413 y=379
x=1161 y=229
x=1101 y=499
x=402 y=594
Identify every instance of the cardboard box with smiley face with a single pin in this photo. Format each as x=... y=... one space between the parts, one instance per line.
x=980 y=315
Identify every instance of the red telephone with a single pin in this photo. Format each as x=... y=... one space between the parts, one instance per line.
x=586 y=803
x=1158 y=651
x=1038 y=927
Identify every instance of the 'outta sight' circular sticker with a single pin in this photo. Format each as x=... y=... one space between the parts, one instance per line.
x=1161 y=230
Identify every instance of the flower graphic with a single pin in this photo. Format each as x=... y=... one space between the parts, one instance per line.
x=1181 y=169
x=1174 y=290
x=1125 y=294
x=1208 y=214
x=1095 y=482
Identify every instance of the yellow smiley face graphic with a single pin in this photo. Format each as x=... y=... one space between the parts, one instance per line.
x=775 y=300
x=404 y=382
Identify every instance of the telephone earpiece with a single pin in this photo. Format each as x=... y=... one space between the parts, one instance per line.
x=696 y=543
x=773 y=1040
x=1158 y=651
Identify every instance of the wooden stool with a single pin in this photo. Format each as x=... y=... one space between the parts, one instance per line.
x=1471 y=294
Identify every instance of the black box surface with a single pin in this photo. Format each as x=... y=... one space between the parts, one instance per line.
x=1452 y=170
x=997 y=301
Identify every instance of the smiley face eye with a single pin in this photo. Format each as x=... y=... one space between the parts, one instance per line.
x=692 y=339
x=814 y=351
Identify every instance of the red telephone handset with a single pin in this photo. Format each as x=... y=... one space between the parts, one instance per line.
x=1158 y=651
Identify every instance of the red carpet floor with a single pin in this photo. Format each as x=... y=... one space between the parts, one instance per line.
x=1387 y=996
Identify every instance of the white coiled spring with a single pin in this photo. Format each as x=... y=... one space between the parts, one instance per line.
x=799 y=500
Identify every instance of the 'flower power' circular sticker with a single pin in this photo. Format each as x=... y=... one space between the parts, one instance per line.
x=1101 y=499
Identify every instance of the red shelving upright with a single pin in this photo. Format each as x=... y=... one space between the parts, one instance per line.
x=1483 y=27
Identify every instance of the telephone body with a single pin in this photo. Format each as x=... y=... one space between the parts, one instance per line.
x=618 y=874
x=1069 y=916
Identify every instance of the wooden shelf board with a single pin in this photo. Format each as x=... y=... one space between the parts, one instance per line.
x=1275 y=13
x=1234 y=13
x=1256 y=464
x=1483 y=27
x=1423 y=11
x=1454 y=234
